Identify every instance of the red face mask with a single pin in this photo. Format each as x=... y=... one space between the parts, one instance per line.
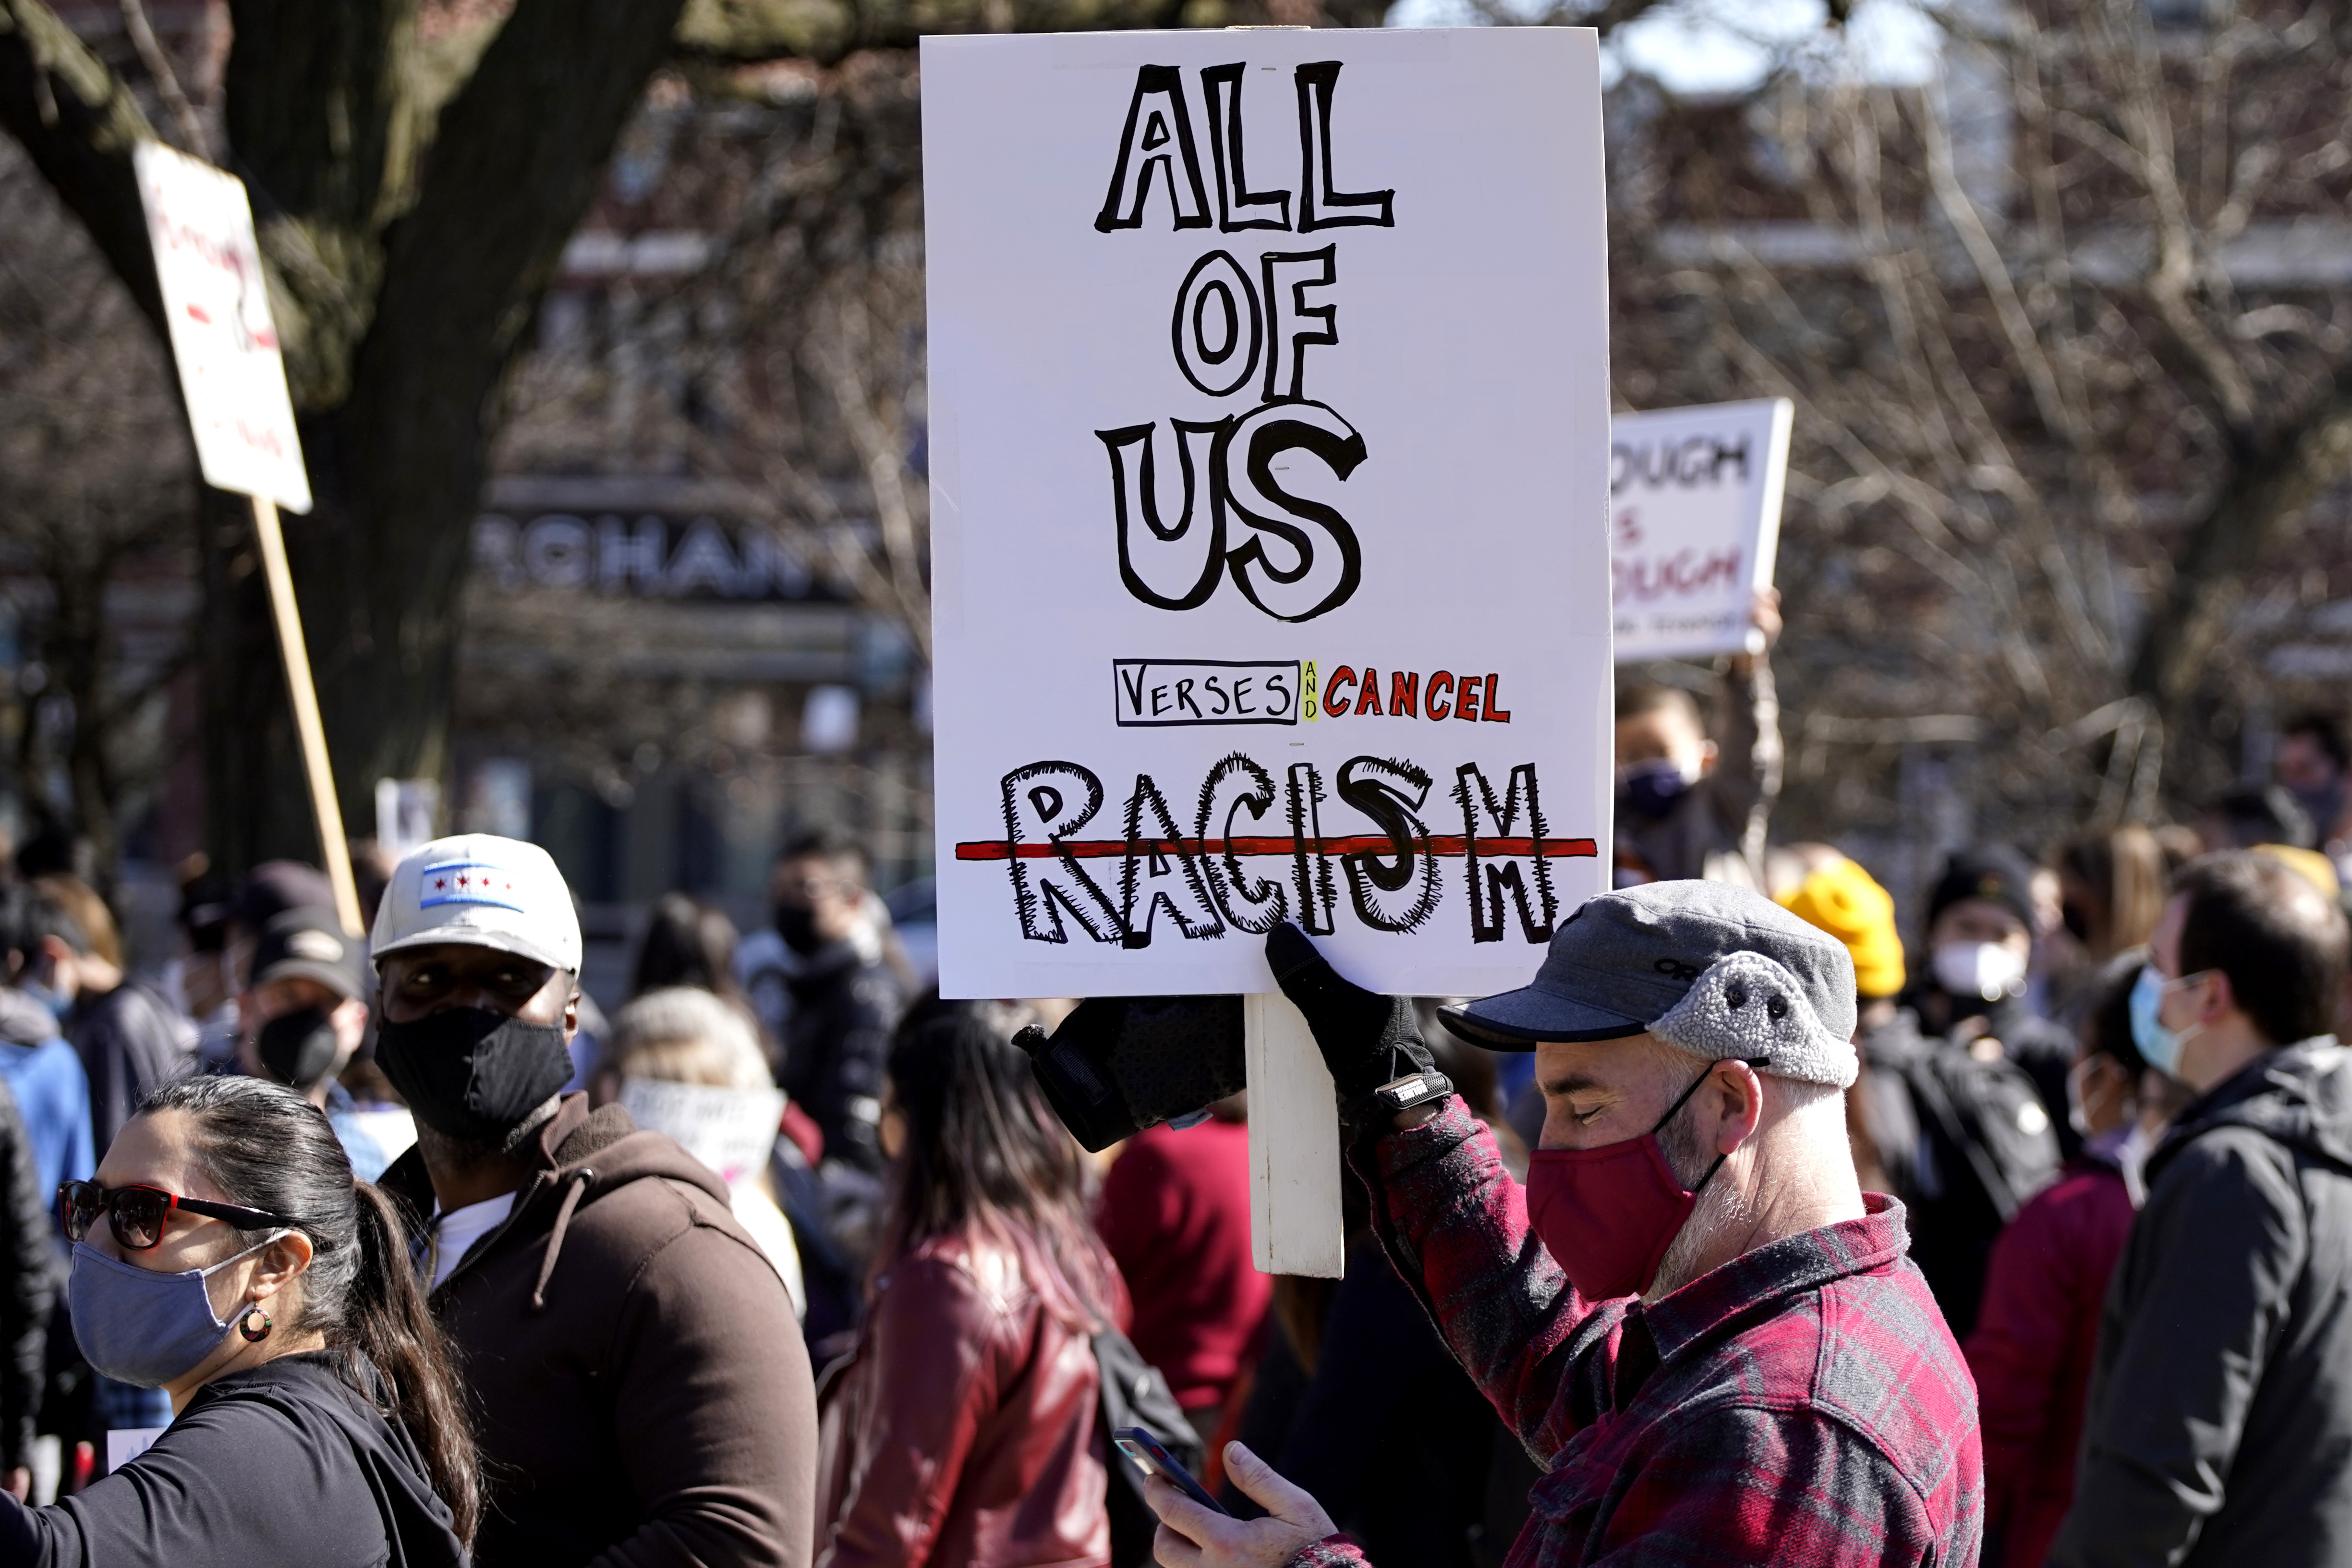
x=1608 y=1214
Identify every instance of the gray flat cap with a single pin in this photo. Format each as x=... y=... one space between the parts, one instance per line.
x=1626 y=959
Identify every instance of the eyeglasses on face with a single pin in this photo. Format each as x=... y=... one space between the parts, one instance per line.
x=137 y=1214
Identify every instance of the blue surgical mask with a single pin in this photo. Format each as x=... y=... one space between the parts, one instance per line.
x=143 y=1326
x=56 y=1002
x=2160 y=1045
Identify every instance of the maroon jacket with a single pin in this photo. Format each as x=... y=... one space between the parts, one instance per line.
x=2033 y=1347
x=1803 y=1404
x=962 y=1430
x=641 y=1390
x=1175 y=1213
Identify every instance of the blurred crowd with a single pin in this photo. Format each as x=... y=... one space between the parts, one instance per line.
x=875 y=1304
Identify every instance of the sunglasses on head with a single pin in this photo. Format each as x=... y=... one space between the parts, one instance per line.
x=137 y=1213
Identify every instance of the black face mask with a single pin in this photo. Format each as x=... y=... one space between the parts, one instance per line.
x=1651 y=789
x=470 y=1073
x=797 y=926
x=298 y=1048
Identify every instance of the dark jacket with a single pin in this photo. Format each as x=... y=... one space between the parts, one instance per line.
x=639 y=1382
x=1963 y=1141
x=843 y=1006
x=1389 y=1433
x=130 y=1041
x=962 y=1430
x=27 y=1286
x=2043 y=1050
x=285 y=1463
x=2219 y=1425
x=2032 y=1351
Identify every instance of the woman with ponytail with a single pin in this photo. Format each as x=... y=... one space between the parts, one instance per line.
x=964 y=1430
x=226 y=1255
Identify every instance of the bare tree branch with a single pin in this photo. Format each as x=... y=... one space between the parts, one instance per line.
x=166 y=79
x=2209 y=576
x=78 y=121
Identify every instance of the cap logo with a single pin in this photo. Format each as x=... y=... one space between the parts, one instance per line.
x=467 y=882
x=315 y=945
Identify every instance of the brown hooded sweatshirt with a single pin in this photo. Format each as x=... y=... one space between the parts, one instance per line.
x=640 y=1387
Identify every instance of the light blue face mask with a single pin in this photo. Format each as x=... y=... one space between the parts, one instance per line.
x=56 y=1002
x=2160 y=1045
x=142 y=1326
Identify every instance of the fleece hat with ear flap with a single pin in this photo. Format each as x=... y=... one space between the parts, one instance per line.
x=1626 y=962
x=1745 y=1006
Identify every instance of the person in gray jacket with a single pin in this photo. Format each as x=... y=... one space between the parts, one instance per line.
x=2219 y=1427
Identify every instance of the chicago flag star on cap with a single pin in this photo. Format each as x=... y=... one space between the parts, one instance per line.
x=466 y=882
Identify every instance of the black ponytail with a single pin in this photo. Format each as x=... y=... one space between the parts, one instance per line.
x=269 y=1148
x=391 y=1326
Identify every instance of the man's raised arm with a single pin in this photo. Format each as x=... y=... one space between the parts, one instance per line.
x=1450 y=1218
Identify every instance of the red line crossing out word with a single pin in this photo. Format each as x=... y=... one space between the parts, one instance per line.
x=1451 y=844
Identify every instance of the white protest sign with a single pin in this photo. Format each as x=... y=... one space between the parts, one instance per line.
x=732 y=1130
x=1695 y=511
x=233 y=379
x=1268 y=450
x=218 y=306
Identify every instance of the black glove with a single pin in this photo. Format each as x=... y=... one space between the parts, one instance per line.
x=1367 y=1040
x=1120 y=1064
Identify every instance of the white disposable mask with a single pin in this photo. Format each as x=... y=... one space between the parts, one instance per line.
x=1986 y=970
x=2078 y=1115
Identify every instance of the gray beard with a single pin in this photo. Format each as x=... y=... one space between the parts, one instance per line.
x=1723 y=1210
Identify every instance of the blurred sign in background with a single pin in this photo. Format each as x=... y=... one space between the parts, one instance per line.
x=1694 y=522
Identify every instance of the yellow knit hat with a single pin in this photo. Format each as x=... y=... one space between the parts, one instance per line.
x=2317 y=868
x=1841 y=900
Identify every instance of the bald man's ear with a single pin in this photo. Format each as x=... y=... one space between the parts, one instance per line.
x=2222 y=998
x=572 y=1013
x=1738 y=1081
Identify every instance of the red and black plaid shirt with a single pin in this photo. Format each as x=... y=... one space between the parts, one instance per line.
x=1803 y=1404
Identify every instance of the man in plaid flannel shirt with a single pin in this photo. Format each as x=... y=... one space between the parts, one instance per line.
x=1708 y=1333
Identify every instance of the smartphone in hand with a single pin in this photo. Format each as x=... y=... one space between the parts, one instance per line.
x=1153 y=1458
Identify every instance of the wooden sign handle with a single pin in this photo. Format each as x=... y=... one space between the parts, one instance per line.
x=1293 y=1146
x=332 y=846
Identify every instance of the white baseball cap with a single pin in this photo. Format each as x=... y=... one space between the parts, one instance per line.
x=479 y=890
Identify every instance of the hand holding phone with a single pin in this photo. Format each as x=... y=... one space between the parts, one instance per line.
x=1154 y=1460
x=1293 y=1520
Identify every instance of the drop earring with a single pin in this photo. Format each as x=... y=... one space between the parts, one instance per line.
x=254 y=1336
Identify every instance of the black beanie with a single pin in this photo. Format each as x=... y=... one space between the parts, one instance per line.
x=1996 y=872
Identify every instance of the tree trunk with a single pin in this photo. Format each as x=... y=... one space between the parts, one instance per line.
x=379 y=570
x=408 y=237
x=2192 y=612
x=380 y=564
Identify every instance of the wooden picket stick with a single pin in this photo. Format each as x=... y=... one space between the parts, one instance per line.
x=313 y=734
x=1294 y=1144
